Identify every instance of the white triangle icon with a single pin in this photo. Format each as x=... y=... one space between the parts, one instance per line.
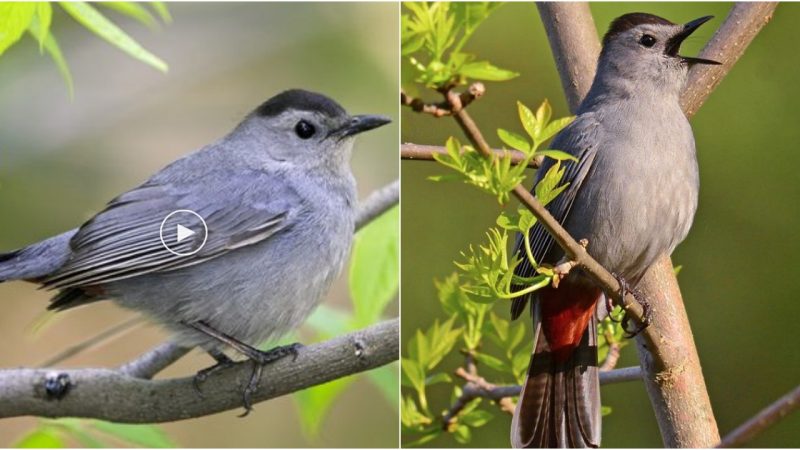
x=183 y=232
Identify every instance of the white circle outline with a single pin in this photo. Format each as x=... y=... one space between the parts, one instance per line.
x=161 y=232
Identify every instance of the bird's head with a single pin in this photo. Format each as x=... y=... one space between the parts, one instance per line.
x=643 y=48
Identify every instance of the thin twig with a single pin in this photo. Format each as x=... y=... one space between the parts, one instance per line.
x=377 y=203
x=114 y=396
x=477 y=387
x=472 y=93
x=93 y=342
x=416 y=152
x=766 y=418
x=612 y=357
x=154 y=361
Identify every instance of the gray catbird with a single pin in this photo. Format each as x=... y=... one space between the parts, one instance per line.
x=278 y=200
x=632 y=194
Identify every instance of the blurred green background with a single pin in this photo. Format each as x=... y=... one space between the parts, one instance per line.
x=739 y=277
x=62 y=160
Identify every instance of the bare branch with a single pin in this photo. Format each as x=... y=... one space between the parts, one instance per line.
x=425 y=153
x=477 y=387
x=573 y=40
x=94 y=341
x=728 y=44
x=766 y=418
x=154 y=361
x=112 y=395
x=377 y=203
x=473 y=92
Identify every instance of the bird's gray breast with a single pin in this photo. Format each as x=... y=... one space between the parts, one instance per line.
x=641 y=193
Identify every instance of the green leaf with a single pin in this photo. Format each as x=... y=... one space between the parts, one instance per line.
x=161 y=9
x=374 y=267
x=139 y=435
x=500 y=326
x=387 y=380
x=544 y=113
x=514 y=140
x=462 y=434
x=329 y=322
x=314 y=403
x=552 y=128
x=483 y=70
x=476 y=418
x=605 y=410
x=558 y=155
x=51 y=46
x=44 y=13
x=93 y=20
x=492 y=362
x=41 y=437
x=438 y=378
x=519 y=364
x=15 y=17
x=527 y=119
x=133 y=10
x=413 y=374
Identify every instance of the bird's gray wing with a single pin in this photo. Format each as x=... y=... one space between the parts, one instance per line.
x=577 y=139
x=124 y=240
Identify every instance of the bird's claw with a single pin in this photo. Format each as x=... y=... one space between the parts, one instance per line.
x=625 y=289
x=261 y=359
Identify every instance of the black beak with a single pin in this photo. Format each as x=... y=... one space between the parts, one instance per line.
x=674 y=42
x=359 y=124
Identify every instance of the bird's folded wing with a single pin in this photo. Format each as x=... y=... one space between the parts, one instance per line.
x=577 y=139
x=124 y=240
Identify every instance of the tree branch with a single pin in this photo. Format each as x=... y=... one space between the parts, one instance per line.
x=766 y=418
x=154 y=361
x=477 y=387
x=573 y=39
x=377 y=203
x=115 y=396
x=425 y=153
x=743 y=23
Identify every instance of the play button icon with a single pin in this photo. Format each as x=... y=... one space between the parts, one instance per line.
x=183 y=232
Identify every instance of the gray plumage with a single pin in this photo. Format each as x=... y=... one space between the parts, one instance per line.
x=280 y=211
x=632 y=194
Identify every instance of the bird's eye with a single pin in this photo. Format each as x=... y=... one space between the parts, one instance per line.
x=304 y=129
x=647 y=40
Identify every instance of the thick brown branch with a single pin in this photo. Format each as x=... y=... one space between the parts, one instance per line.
x=573 y=39
x=766 y=418
x=115 y=396
x=728 y=44
x=426 y=152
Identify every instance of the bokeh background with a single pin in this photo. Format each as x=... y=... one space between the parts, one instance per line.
x=62 y=160
x=739 y=277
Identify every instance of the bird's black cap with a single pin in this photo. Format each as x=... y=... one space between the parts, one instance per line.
x=624 y=23
x=299 y=99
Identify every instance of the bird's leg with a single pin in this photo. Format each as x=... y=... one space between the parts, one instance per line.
x=223 y=362
x=646 y=311
x=259 y=358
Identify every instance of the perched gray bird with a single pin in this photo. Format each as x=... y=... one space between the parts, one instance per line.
x=632 y=193
x=278 y=200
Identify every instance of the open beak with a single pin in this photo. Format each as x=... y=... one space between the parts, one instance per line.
x=359 y=124
x=674 y=43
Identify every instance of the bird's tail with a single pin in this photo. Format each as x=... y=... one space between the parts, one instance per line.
x=560 y=401
x=37 y=260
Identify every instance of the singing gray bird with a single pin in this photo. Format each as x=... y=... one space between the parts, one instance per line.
x=632 y=193
x=273 y=208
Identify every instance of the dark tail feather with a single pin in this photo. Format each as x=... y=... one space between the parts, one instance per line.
x=560 y=401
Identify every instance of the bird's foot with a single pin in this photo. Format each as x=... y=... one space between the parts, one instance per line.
x=647 y=316
x=259 y=358
x=223 y=362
